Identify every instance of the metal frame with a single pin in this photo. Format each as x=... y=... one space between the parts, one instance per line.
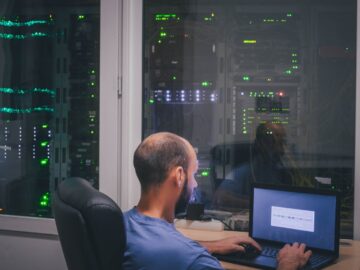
x=131 y=117
x=110 y=41
x=357 y=134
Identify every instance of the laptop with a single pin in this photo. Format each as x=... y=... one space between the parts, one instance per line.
x=280 y=215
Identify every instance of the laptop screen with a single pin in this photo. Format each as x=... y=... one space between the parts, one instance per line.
x=293 y=216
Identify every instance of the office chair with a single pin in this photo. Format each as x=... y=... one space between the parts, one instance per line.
x=90 y=226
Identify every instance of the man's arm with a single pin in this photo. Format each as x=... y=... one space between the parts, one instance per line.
x=229 y=245
x=292 y=257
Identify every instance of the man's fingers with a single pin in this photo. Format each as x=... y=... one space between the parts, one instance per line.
x=308 y=254
x=238 y=248
x=302 y=247
x=305 y=258
x=252 y=242
x=286 y=246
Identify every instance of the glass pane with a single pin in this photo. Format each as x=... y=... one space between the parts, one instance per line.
x=49 y=100
x=264 y=91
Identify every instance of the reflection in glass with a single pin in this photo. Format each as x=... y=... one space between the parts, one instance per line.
x=264 y=91
x=48 y=100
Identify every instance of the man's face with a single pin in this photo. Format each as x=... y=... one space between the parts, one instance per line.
x=190 y=180
x=189 y=184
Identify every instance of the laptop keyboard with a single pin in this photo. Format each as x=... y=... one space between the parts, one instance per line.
x=272 y=252
x=269 y=252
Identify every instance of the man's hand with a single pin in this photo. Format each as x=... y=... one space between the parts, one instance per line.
x=229 y=245
x=292 y=257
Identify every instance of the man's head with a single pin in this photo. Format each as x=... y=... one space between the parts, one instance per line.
x=162 y=156
x=270 y=140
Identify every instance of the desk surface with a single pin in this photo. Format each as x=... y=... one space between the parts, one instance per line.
x=349 y=250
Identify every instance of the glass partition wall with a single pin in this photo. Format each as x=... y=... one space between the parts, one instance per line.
x=49 y=100
x=264 y=90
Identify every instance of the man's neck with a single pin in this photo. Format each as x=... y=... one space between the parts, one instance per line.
x=152 y=204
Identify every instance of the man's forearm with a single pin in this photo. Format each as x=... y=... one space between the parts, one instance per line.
x=211 y=246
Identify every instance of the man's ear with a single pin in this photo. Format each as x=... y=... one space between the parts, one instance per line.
x=180 y=175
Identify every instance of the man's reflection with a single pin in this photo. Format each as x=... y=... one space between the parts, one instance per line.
x=264 y=165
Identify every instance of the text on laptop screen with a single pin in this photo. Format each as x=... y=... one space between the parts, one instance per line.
x=294 y=217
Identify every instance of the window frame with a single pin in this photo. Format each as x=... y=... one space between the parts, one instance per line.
x=136 y=133
x=109 y=181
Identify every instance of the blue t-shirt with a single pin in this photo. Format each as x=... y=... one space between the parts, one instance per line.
x=155 y=244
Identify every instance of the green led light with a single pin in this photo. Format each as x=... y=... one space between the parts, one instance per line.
x=44 y=90
x=45 y=200
x=18 y=36
x=205 y=83
x=268 y=20
x=11 y=36
x=249 y=41
x=246 y=78
x=92 y=83
x=92 y=119
x=23 y=91
x=30 y=110
x=205 y=173
x=159 y=41
x=92 y=71
x=45 y=126
x=163 y=34
x=92 y=132
x=174 y=78
x=289 y=15
x=43 y=144
x=294 y=61
x=18 y=24
x=42 y=109
x=92 y=96
x=288 y=72
x=165 y=17
x=81 y=17
x=151 y=101
x=44 y=161
x=295 y=67
x=38 y=34
x=12 y=91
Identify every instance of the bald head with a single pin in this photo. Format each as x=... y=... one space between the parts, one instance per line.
x=157 y=155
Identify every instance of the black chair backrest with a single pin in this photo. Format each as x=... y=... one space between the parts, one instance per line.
x=90 y=226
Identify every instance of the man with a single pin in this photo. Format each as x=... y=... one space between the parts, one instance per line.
x=165 y=165
x=265 y=165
